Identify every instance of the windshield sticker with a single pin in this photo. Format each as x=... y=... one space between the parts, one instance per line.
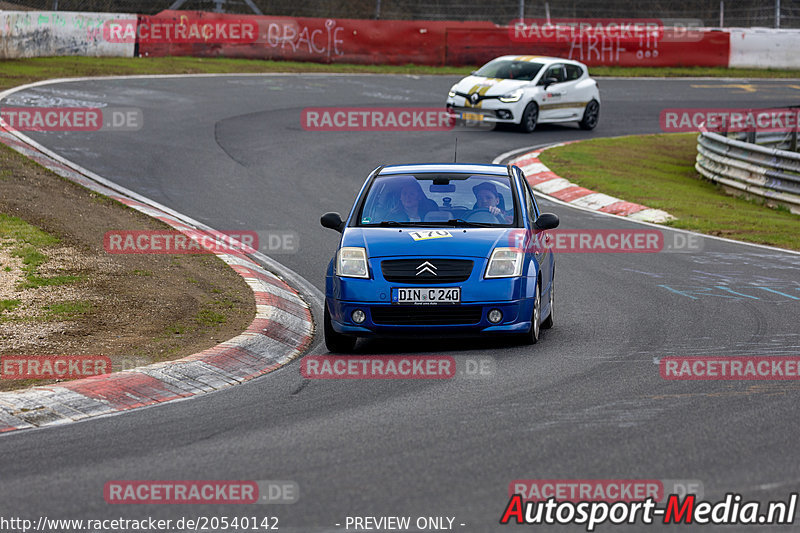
x=432 y=234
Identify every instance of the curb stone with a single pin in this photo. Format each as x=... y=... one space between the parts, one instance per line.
x=545 y=181
x=282 y=329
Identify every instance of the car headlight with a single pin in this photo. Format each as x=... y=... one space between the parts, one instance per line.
x=351 y=262
x=505 y=263
x=452 y=93
x=512 y=97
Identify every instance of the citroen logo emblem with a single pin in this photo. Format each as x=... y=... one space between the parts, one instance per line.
x=426 y=267
x=474 y=97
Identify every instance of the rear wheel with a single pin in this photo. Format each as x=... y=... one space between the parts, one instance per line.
x=336 y=342
x=590 y=116
x=532 y=336
x=530 y=117
x=548 y=322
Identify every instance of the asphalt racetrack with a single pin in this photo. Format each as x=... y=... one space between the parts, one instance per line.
x=586 y=402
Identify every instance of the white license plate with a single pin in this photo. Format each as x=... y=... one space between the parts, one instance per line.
x=426 y=295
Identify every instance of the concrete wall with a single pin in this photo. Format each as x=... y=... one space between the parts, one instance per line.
x=46 y=33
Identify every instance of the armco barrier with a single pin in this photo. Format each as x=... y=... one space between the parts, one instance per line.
x=750 y=169
x=46 y=33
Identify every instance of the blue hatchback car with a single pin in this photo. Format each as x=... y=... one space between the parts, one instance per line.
x=438 y=250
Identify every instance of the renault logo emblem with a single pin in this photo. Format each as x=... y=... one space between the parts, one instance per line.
x=474 y=97
x=426 y=267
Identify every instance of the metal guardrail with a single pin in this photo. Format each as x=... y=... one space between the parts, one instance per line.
x=752 y=169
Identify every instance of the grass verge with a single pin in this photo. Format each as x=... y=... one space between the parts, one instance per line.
x=658 y=171
x=20 y=71
x=61 y=293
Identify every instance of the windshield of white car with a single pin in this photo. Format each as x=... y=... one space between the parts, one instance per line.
x=509 y=69
x=439 y=200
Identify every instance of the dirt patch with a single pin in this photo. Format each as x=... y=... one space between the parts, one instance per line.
x=136 y=309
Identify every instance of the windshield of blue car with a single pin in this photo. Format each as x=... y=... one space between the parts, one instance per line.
x=509 y=69
x=439 y=200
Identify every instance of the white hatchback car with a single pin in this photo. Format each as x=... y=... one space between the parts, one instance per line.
x=527 y=90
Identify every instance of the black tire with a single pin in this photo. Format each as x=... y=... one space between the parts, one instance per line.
x=336 y=342
x=532 y=336
x=548 y=322
x=591 y=115
x=530 y=117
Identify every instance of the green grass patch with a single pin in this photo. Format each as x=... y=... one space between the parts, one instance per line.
x=658 y=171
x=67 y=310
x=208 y=317
x=8 y=305
x=19 y=71
x=15 y=228
x=28 y=244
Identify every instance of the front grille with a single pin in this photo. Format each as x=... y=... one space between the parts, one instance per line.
x=415 y=270
x=431 y=315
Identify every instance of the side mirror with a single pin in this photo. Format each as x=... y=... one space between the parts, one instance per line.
x=546 y=221
x=332 y=221
x=547 y=82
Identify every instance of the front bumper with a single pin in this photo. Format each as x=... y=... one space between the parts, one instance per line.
x=516 y=319
x=491 y=111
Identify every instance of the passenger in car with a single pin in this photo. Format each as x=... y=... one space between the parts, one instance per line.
x=413 y=205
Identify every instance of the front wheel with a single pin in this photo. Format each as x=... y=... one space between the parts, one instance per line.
x=532 y=336
x=336 y=342
x=590 y=116
x=530 y=117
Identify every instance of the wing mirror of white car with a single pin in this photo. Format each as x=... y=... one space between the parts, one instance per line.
x=546 y=221
x=332 y=221
x=547 y=82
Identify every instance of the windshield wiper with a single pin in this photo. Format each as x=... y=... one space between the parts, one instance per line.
x=462 y=222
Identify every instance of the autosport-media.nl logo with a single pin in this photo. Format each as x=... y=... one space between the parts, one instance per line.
x=605 y=241
x=718 y=119
x=53 y=366
x=396 y=367
x=84 y=119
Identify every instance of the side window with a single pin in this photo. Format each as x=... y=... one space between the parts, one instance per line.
x=555 y=71
x=574 y=72
x=529 y=205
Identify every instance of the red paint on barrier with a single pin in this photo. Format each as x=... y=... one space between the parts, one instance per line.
x=399 y=42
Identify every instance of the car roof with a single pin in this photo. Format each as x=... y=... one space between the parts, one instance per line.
x=539 y=59
x=450 y=168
